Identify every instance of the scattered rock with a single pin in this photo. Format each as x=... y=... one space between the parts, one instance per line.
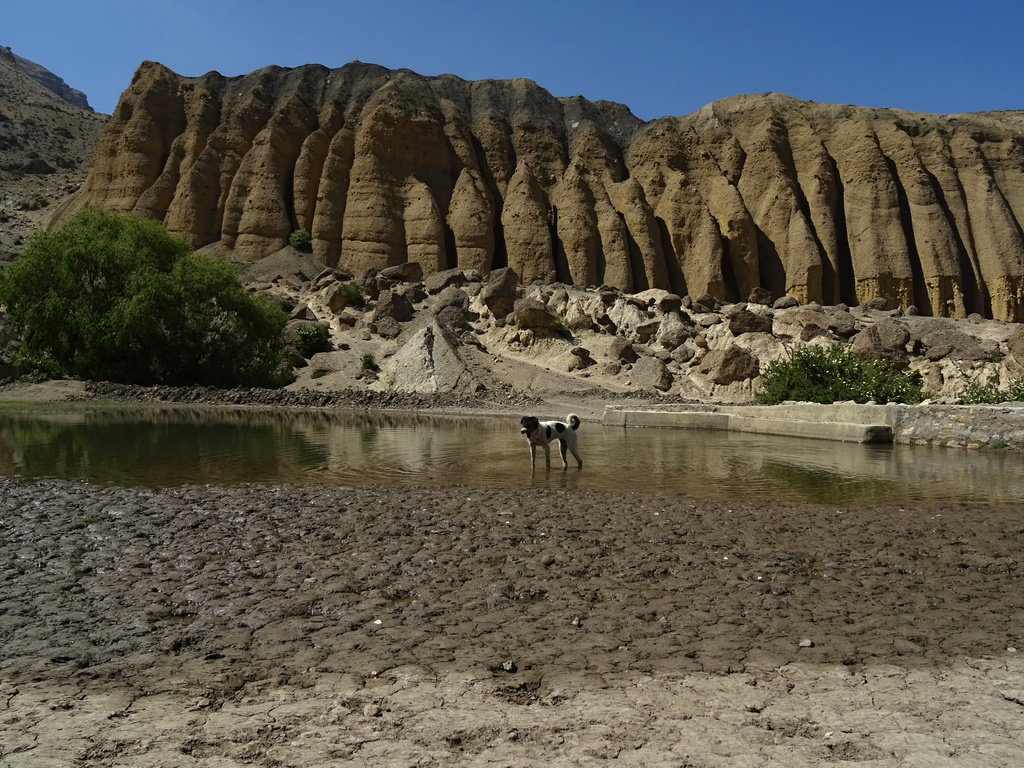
x=650 y=372
x=724 y=366
x=409 y=272
x=622 y=350
x=499 y=294
x=746 y=321
x=438 y=281
x=949 y=343
x=532 y=314
x=393 y=305
x=886 y=340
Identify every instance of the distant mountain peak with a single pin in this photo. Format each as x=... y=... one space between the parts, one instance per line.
x=47 y=79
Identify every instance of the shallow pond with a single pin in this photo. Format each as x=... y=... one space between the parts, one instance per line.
x=162 y=446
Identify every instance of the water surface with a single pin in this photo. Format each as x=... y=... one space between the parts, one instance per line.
x=173 y=445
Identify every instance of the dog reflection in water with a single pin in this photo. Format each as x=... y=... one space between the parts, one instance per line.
x=542 y=433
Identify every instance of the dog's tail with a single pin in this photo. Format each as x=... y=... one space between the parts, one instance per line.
x=574 y=421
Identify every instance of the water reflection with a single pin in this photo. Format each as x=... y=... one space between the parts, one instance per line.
x=158 y=446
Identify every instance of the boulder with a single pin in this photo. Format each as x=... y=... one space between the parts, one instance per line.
x=499 y=294
x=337 y=296
x=840 y=322
x=951 y=344
x=622 y=350
x=393 y=305
x=885 y=340
x=438 y=281
x=1015 y=343
x=533 y=314
x=580 y=358
x=724 y=366
x=893 y=334
x=428 y=362
x=451 y=307
x=651 y=373
x=746 y=321
x=386 y=327
x=662 y=300
x=672 y=331
x=409 y=272
x=707 y=303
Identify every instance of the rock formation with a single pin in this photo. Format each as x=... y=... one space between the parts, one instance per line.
x=50 y=81
x=825 y=203
x=43 y=129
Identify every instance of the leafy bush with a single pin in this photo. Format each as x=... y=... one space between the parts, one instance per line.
x=310 y=338
x=977 y=393
x=300 y=239
x=833 y=374
x=118 y=298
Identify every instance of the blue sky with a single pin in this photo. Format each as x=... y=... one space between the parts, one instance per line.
x=658 y=57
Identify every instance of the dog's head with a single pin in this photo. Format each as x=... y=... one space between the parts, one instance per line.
x=530 y=425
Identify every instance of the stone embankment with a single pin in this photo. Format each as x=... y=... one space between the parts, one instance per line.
x=952 y=426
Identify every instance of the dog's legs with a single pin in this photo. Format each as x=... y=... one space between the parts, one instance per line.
x=533 y=455
x=561 y=452
x=547 y=455
x=576 y=456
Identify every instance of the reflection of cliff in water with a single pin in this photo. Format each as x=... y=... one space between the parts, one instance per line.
x=160 y=446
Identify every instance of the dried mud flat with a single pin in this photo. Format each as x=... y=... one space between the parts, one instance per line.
x=308 y=626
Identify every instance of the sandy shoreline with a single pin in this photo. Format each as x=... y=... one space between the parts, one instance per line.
x=285 y=625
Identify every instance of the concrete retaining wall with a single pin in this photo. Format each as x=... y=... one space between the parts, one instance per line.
x=970 y=426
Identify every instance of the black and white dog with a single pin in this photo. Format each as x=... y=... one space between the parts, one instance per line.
x=543 y=432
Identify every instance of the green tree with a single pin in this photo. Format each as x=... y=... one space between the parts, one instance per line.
x=118 y=298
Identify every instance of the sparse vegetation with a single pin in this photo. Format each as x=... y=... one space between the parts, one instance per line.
x=301 y=240
x=311 y=338
x=117 y=298
x=352 y=293
x=35 y=203
x=978 y=393
x=994 y=356
x=834 y=374
x=367 y=363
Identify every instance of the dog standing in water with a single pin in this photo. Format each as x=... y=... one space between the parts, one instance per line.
x=543 y=432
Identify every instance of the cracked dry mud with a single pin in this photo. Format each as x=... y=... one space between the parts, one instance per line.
x=309 y=626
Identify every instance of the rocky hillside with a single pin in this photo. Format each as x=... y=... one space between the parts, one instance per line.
x=456 y=336
x=420 y=194
x=825 y=203
x=47 y=136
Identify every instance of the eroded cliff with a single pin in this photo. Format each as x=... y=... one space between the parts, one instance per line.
x=823 y=202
